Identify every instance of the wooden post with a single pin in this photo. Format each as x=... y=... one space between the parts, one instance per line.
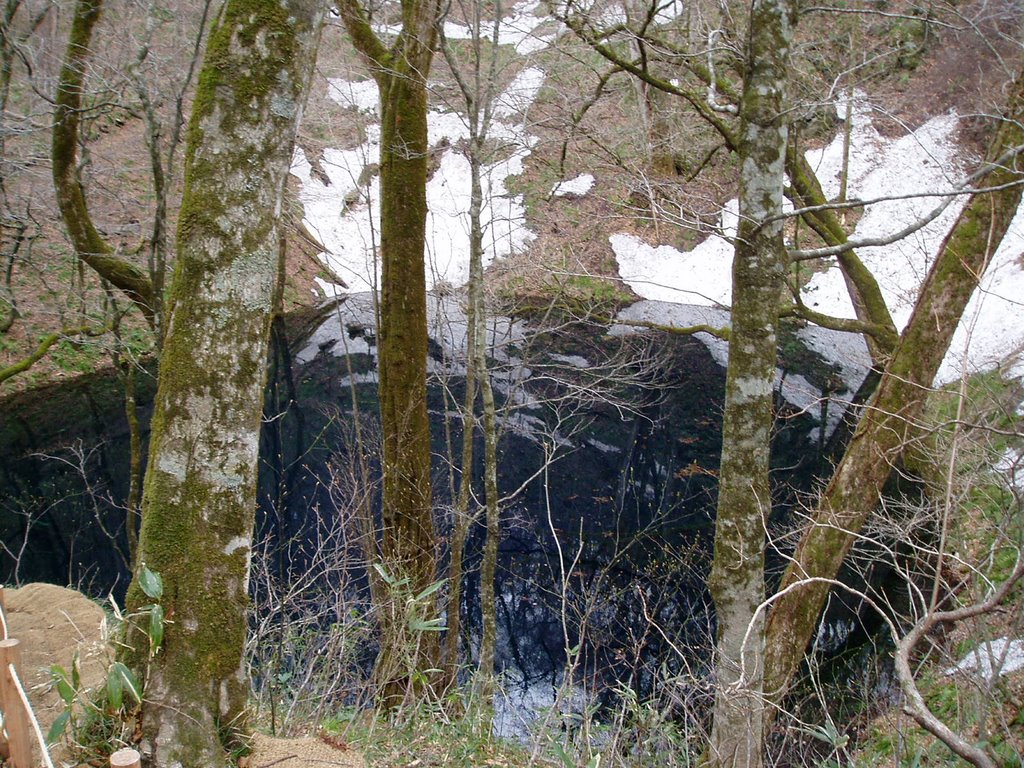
x=125 y=758
x=15 y=716
x=5 y=751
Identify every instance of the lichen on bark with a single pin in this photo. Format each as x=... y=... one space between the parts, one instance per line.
x=744 y=496
x=200 y=490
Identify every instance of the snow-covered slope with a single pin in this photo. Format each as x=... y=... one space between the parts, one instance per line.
x=905 y=177
x=902 y=179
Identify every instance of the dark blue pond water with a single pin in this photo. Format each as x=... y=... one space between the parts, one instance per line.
x=619 y=524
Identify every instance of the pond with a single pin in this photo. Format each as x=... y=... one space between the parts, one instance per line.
x=607 y=464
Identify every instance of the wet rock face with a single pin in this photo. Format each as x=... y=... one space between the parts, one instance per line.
x=621 y=520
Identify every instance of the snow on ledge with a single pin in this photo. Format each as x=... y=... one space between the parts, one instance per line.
x=700 y=277
x=983 y=660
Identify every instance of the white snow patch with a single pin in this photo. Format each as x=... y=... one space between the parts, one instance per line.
x=992 y=659
x=336 y=213
x=576 y=187
x=346 y=218
x=519 y=29
x=991 y=329
x=532 y=428
x=849 y=353
x=360 y=95
x=576 y=361
x=916 y=167
x=520 y=93
x=345 y=215
x=446 y=125
x=668 y=11
x=520 y=706
x=328 y=289
x=702 y=276
x=921 y=163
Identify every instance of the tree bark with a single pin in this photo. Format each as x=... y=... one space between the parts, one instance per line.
x=200 y=489
x=408 y=539
x=744 y=496
x=865 y=293
x=89 y=244
x=893 y=413
x=489 y=563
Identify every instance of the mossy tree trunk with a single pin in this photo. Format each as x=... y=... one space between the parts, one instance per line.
x=200 y=489
x=744 y=496
x=893 y=413
x=865 y=293
x=89 y=244
x=408 y=537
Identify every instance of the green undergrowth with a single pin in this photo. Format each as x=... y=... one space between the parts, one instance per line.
x=455 y=734
x=98 y=720
x=976 y=432
x=427 y=735
x=581 y=296
x=907 y=745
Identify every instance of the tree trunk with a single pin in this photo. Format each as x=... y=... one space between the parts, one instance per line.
x=408 y=539
x=805 y=189
x=200 y=490
x=489 y=564
x=865 y=293
x=744 y=496
x=408 y=535
x=461 y=517
x=478 y=81
x=893 y=413
x=89 y=245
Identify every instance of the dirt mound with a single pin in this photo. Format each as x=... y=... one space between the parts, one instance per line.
x=52 y=624
x=293 y=753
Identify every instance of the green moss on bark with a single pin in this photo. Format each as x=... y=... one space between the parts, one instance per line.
x=90 y=246
x=408 y=537
x=868 y=302
x=881 y=436
x=200 y=489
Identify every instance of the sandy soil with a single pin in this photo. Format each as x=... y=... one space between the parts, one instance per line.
x=294 y=753
x=53 y=623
